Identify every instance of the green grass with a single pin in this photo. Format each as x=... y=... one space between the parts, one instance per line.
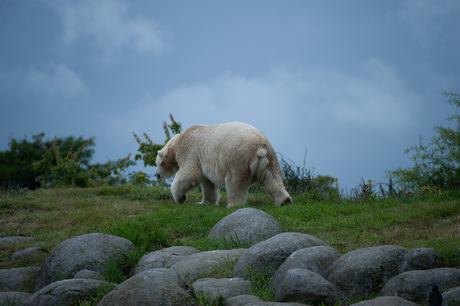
x=152 y=220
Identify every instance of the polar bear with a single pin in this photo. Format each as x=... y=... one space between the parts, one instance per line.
x=233 y=155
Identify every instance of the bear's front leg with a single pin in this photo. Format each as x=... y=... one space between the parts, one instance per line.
x=181 y=185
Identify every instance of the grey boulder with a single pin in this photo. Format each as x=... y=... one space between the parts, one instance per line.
x=66 y=292
x=27 y=253
x=246 y=225
x=244 y=299
x=452 y=296
x=88 y=274
x=202 y=264
x=152 y=287
x=316 y=259
x=274 y=304
x=12 y=239
x=306 y=286
x=90 y=251
x=415 y=286
x=15 y=279
x=163 y=258
x=420 y=259
x=271 y=253
x=13 y=297
x=362 y=272
x=385 y=301
x=222 y=287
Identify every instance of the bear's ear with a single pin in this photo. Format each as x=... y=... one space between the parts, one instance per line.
x=160 y=153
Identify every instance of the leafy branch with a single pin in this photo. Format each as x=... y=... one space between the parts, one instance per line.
x=148 y=150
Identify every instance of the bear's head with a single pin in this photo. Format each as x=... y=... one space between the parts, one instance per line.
x=166 y=161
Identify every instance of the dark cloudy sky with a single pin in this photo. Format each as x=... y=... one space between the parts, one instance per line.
x=353 y=82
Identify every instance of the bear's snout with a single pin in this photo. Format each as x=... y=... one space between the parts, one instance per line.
x=157 y=175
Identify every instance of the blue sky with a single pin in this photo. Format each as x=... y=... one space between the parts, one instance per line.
x=352 y=82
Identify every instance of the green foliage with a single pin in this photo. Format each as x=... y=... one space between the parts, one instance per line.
x=424 y=194
x=261 y=283
x=139 y=179
x=113 y=271
x=207 y=299
x=66 y=162
x=296 y=179
x=438 y=162
x=110 y=173
x=135 y=192
x=365 y=192
x=299 y=180
x=148 y=150
x=57 y=163
x=104 y=288
x=17 y=163
x=73 y=168
x=118 y=269
x=146 y=233
x=425 y=218
x=62 y=170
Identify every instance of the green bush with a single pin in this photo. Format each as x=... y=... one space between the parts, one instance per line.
x=17 y=163
x=148 y=150
x=302 y=181
x=72 y=170
x=58 y=170
x=437 y=163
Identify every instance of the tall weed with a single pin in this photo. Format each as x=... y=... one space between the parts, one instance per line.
x=261 y=283
x=302 y=181
x=118 y=269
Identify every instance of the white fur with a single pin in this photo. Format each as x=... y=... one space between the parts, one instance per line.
x=233 y=155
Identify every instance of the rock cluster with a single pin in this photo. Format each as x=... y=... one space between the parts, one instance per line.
x=303 y=269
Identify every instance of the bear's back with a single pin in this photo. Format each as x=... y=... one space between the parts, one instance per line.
x=228 y=141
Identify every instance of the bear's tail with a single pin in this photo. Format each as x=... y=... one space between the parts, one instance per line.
x=260 y=162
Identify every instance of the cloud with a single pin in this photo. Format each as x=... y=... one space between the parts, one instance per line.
x=54 y=83
x=352 y=125
x=375 y=99
x=108 y=24
x=329 y=112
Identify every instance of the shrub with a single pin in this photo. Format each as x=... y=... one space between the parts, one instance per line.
x=71 y=170
x=148 y=150
x=436 y=163
x=299 y=180
x=61 y=170
x=17 y=163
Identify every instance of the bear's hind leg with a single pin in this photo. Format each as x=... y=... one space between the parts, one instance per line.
x=237 y=190
x=210 y=192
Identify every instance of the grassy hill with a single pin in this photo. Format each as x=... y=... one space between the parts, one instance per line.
x=152 y=220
